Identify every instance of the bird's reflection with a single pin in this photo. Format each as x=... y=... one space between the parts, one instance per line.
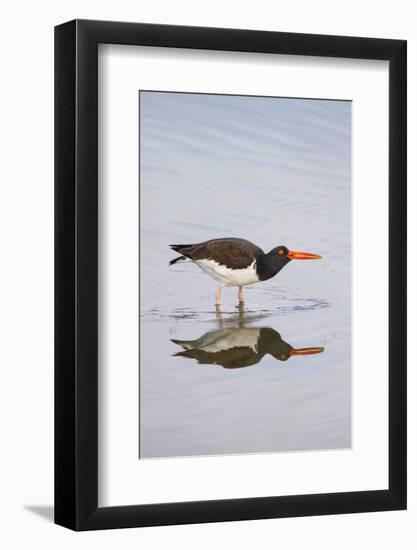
x=238 y=347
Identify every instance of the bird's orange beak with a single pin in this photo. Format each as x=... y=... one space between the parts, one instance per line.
x=293 y=255
x=306 y=351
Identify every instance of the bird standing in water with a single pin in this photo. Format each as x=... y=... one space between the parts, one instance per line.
x=237 y=262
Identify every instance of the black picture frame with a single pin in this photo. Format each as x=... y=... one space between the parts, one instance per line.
x=76 y=272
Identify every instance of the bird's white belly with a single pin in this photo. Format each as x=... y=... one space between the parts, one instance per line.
x=227 y=276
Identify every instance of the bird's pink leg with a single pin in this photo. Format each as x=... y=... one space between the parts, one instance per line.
x=218 y=296
x=240 y=295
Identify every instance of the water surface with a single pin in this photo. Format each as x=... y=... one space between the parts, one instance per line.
x=277 y=172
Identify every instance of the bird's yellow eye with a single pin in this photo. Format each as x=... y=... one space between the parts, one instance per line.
x=280 y=251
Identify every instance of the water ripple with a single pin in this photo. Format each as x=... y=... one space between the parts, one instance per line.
x=230 y=313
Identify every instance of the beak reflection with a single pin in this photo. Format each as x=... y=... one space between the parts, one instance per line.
x=306 y=351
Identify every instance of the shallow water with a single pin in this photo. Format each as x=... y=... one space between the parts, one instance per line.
x=277 y=172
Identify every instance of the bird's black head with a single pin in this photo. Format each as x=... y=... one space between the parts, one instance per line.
x=271 y=263
x=281 y=253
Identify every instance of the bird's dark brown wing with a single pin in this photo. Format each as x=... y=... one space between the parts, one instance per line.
x=231 y=252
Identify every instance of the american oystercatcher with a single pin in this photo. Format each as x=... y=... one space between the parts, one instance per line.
x=234 y=348
x=237 y=262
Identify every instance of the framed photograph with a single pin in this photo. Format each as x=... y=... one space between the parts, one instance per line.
x=230 y=275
